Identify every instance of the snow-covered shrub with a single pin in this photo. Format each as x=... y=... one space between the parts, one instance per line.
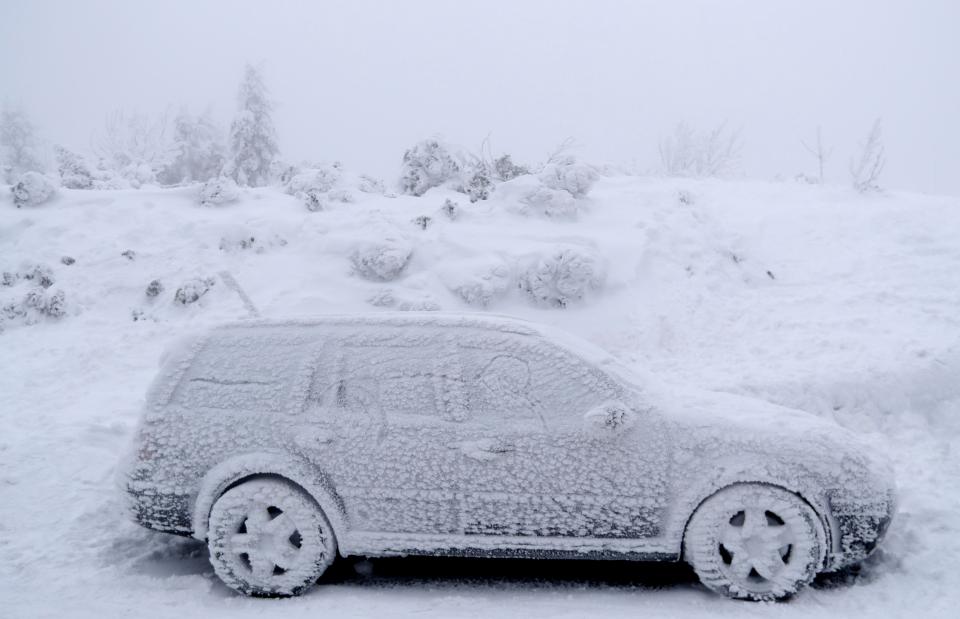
x=36 y=305
x=451 y=209
x=686 y=198
x=422 y=221
x=321 y=180
x=700 y=153
x=428 y=164
x=506 y=170
x=220 y=190
x=381 y=261
x=313 y=200
x=484 y=285
x=369 y=184
x=154 y=288
x=237 y=240
x=565 y=276
x=866 y=168
x=477 y=181
x=33 y=189
x=191 y=290
x=37 y=273
x=9 y=279
x=129 y=254
x=73 y=170
x=575 y=178
x=382 y=298
x=555 y=203
x=67 y=260
x=341 y=195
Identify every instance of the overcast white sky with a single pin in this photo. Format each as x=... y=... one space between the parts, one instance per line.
x=360 y=81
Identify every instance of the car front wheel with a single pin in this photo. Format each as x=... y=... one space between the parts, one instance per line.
x=755 y=542
x=267 y=537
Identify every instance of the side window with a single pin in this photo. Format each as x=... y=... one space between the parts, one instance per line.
x=395 y=380
x=244 y=373
x=528 y=381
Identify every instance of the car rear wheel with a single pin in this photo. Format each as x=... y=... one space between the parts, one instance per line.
x=267 y=537
x=755 y=542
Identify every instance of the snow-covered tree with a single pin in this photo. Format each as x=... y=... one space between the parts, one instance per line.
x=700 y=154
x=19 y=145
x=253 y=139
x=866 y=168
x=198 y=147
x=135 y=146
x=74 y=171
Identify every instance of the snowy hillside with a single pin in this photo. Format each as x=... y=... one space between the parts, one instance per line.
x=842 y=304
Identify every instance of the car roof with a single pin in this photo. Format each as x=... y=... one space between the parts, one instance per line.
x=496 y=323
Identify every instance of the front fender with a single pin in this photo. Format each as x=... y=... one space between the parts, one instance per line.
x=273 y=462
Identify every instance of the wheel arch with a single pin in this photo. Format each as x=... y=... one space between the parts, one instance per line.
x=238 y=469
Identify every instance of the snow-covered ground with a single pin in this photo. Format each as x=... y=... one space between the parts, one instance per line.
x=812 y=297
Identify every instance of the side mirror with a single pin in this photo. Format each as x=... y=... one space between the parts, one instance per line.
x=609 y=418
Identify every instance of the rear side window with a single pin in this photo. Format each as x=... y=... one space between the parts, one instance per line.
x=246 y=373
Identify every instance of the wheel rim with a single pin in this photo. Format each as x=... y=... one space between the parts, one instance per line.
x=266 y=542
x=756 y=547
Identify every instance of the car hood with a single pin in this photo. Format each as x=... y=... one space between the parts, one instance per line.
x=728 y=424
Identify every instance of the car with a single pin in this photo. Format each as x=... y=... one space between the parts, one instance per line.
x=285 y=444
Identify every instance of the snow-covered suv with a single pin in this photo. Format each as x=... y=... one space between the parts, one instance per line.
x=283 y=444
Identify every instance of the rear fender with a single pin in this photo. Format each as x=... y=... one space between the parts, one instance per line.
x=277 y=463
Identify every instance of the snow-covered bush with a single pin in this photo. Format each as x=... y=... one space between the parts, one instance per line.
x=369 y=184
x=36 y=305
x=73 y=170
x=477 y=181
x=321 y=179
x=191 y=290
x=154 y=288
x=33 y=189
x=381 y=261
x=483 y=284
x=555 y=203
x=564 y=276
x=220 y=190
x=422 y=221
x=575 y=178
x=341 y=195
x=451 y=209
x=529 y=196
x=700 y=154
x=506 y=170
x=428 y=164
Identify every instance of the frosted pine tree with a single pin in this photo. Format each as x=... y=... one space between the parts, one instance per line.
x=198 y=142
x=19 y=146
x=253 y=139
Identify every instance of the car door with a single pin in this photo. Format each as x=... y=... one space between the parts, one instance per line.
x=535 y=465
x=378 y=430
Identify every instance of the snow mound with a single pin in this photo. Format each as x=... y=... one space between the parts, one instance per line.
x=217 y=191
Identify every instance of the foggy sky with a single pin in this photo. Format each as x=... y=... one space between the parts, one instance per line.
x=360 y=81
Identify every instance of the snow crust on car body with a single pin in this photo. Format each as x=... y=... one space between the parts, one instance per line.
x=476 y=435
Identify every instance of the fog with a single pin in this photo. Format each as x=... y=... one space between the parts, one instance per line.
x=360 y=81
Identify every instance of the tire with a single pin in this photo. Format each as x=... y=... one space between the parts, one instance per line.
x=267 y=537
x=755 y=542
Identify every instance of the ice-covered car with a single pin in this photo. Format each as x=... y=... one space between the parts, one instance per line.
x=285 y=444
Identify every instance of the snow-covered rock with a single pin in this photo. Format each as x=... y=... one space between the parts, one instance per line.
x=382 y=260
x=217 y=191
